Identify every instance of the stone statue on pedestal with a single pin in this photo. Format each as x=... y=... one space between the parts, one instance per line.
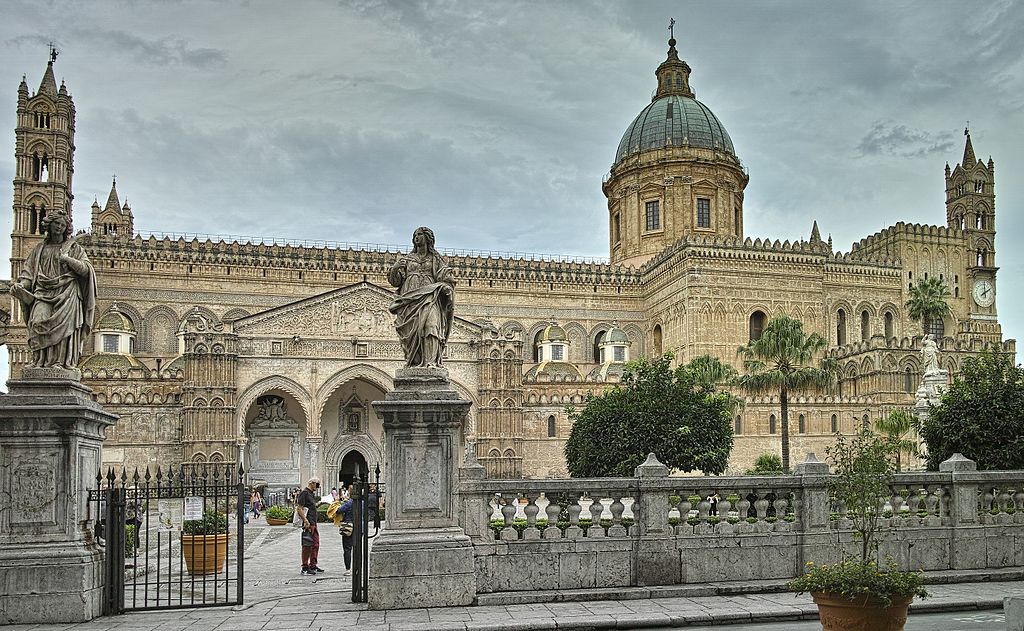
x=930 y=351
x=57 y=286
x=424 y=308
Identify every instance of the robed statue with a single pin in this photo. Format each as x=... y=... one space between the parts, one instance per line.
x=930 y=352
x=424 y=308
x=57 y=286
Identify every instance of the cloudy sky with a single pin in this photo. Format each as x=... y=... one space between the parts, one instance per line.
x=355 y=121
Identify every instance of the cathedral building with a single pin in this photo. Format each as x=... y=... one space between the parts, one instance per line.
x=271 y=353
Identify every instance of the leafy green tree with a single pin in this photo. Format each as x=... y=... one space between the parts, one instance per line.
x=927 y=305
x=766 y=464
x=781 y=360
x=897 y=427
x=981 y=415
x=674 y=414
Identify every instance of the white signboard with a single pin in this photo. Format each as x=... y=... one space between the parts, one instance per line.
x=193 y=508
x=169 y=515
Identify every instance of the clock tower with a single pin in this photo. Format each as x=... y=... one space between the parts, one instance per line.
x=971 y=207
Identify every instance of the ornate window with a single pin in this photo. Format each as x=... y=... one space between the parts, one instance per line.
x=109 y=343
x=771 y=424
x=802 y=426
x=652 y=215
x=866 y=422
x=835 y=423
x=865 y=326
x=979 y=186
x=703 y=212
x=351 y=416
x=657 y=340
x=756 y=325
x=598 y=351
x=620 y=353
x=888 y=325
x=617 y=227
x=552 y=430
x=841 y=327
x=557 y=352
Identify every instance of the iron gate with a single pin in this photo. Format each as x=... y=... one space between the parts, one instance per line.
x=171 y=540
x=364 y=514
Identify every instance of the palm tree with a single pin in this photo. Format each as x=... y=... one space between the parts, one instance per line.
x=710 y=371
x=897 y=427
x=928 y=305
x=781 y=360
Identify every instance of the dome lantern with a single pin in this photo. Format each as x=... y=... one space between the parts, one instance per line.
x=673 y=75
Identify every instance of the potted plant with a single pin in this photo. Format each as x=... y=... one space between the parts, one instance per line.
x=856 y=593
x=279 y=515
x=204 y=543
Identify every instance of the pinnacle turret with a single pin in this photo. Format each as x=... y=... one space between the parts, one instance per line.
x=112 y=202
x=815 y=234
x=673 y=74
x=969 y=158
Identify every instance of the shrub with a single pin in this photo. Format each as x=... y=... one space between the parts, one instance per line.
x=766 y=464
x=280 y=512
x=854 y=580
x=212 y=523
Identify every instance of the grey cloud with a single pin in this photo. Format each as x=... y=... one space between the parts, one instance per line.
x=901 y=140
x=159 y=52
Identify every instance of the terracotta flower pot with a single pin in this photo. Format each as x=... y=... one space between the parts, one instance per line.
x=277 y=521
x=837 y=613
x=204 y=554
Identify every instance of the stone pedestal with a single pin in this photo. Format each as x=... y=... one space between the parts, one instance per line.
x=51 y=432
x=423 y=558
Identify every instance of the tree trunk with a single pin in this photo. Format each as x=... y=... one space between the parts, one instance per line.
x=784 y=400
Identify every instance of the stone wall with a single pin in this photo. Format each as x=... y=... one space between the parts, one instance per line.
x=663 y=530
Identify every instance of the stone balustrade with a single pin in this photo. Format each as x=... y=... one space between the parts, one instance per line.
x=657 y=529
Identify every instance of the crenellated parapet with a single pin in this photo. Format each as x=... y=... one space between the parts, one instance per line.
x=250 y=257
x=885 y=240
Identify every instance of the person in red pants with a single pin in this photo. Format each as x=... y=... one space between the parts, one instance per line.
x=306 y=506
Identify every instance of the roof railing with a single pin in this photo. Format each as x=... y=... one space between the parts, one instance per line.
x=368 y=247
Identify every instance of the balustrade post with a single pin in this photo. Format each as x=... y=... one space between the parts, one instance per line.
x=813 y=512
x=968 y=548
x=473 y=514
x=657 y=561
x=963 y=507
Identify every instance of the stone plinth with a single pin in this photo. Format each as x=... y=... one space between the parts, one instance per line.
x=1013 y=607
x=423 y=558
x=51 y=432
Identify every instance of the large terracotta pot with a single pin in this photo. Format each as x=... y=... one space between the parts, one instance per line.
x=839 y=614
x=277 y=521
x=204 y=554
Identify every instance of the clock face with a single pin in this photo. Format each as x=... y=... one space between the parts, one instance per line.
x=984 y=293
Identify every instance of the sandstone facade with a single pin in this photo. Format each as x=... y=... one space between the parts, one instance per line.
x=272 y=352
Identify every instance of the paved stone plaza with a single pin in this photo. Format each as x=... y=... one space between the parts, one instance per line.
x=278 y=598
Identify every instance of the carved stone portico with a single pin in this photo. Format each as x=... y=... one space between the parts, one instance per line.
x=423 y=558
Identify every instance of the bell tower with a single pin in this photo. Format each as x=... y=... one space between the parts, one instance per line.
x=971 y=207
x=44 y=160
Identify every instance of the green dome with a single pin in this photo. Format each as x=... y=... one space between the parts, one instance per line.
x=115 y=321
x=111 y=361
x=674 y=120
x=615 y=336
x=555 y=370
x=553 y=333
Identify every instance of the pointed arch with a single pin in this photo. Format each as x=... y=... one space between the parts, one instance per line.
x=261 y=387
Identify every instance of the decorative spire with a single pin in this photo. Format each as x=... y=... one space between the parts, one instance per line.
x=48 y=85
x=815 y=234
x=673 y=74
x=969 y=158
x=112 y=201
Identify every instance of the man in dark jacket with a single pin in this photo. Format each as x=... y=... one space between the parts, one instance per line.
x=305 y=505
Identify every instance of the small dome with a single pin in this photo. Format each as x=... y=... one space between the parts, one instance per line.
x=551 y=370
x=615 y=336
x=553 y=333
x=115 y=321
x=111 y=361
x=674 y=120
x=608 y=372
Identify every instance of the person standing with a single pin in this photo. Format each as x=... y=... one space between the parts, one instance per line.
x=256 y=503
x=347 y=522
x=305 y=505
